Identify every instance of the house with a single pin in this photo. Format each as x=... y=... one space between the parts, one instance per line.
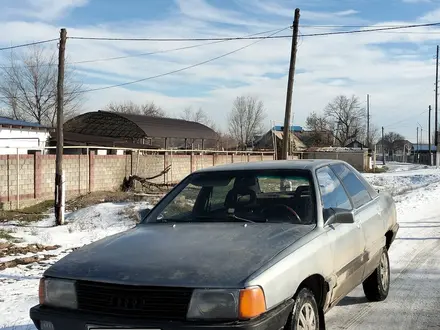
x=274 y=137
x=112 y=129
x=26 y=136
x=355 y=144
x=397 y=148
x=316 y=138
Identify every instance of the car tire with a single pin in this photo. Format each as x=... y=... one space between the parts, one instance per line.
x=377 y=285
x=305 y=313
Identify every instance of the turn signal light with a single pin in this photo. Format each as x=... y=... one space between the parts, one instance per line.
x=41 y=291
x=252 y=303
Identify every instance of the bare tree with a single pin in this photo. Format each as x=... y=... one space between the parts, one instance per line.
x=199 y=116
x=246 y=120
x=373 y=136
x=347 y=117
x=28 y=87
x=392 y=142
x=129 y=107
x=320 y=133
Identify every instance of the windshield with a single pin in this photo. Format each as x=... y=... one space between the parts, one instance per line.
x=240 y=196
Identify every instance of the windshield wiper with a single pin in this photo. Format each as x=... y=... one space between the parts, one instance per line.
x=233 y=216
x=229 y=216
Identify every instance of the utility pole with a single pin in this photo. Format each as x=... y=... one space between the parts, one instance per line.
x=368 y=121
x=417 y=143
x=437 y=154
x=59 y=177
x=429 y=137
x=383 y=147
x=287 y=115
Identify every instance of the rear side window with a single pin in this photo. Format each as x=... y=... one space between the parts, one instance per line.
x=355 y=188
x=333 y=194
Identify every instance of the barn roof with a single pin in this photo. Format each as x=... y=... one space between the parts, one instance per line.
x=78 y=139
x=113 y=124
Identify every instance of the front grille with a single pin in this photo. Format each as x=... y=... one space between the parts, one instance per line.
x=133 y=301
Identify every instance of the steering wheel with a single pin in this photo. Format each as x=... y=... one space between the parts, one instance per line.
x=284 y=208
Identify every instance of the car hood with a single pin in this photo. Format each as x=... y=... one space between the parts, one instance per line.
x=190 y=255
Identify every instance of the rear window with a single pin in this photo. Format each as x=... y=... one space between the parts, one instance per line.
x=354 y=186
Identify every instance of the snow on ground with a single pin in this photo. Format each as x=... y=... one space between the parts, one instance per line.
x=19 y=285
x=414 y=297
x=402 y=177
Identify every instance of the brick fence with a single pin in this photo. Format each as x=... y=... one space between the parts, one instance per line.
x=28 y=179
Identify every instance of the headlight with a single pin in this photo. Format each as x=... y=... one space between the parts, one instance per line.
x=225 y=304
x=58 y=293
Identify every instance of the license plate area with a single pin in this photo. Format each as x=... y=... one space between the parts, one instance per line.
x=94 y=327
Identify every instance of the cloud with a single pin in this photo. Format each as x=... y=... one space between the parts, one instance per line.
x=202 y=10
x=394 y=68
x=46 y=10
x=271 y=7
x=432 y=16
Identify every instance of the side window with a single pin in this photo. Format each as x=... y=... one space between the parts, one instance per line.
x=182 y=204
x=333 y=194
x=355 y=188
x=218 y=195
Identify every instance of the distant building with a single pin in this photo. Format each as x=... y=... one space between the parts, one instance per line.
x=274 y=137
x=355 y=144
x=112 y=129
x=423 y=148
x=20 y=134
x=316 y=138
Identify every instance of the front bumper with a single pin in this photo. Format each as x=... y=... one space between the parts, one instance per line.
x=274 y=319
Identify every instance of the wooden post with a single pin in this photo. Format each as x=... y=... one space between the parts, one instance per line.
x=59 y=196
x=288 y=110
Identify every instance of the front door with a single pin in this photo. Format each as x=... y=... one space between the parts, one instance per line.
x=347 y=240
x=367 y=214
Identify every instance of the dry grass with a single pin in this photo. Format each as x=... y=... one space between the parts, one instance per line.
x=29 y=214
x=382 y=169
x=6 y=235
x=100 y=197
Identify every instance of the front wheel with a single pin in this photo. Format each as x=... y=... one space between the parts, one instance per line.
x=377 y=285
x=305 y=314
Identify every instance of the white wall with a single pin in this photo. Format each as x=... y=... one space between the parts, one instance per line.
x=24 y=138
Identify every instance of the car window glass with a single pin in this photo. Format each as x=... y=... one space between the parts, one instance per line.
x=287 y=196
x=218 y=195
x=355 y=188
x=182 y=204
x=277 y=184
x=333 y=194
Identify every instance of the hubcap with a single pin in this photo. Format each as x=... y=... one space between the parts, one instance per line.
x=384 y=275
x=307 y=318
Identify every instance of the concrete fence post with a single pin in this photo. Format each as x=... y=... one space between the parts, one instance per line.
x=92 y=154
x=37 y=174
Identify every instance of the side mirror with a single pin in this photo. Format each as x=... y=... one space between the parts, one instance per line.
x=340 y=216
x=143 y=214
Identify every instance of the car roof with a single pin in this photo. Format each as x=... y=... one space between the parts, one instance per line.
x=303 y=164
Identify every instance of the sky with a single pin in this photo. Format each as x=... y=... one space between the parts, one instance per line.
x=396 y=68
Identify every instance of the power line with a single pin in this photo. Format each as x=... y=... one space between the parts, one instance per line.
x=257 y=37
x=181 y=69
x=29 y=44
x=163 y=51
x=407 y=118
x=167 y=50
x=377 y=29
